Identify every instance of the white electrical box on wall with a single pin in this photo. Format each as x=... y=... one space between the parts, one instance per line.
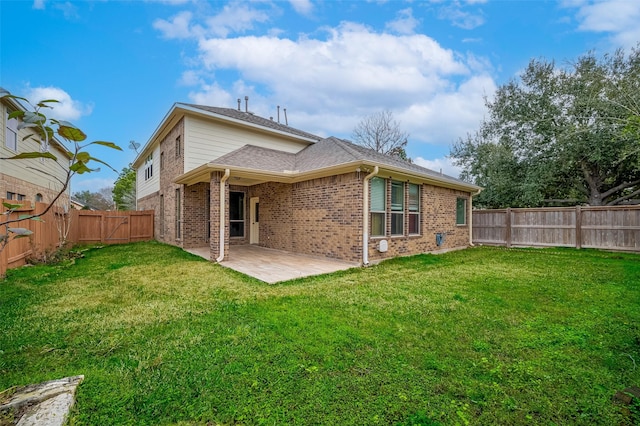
x=383 y=246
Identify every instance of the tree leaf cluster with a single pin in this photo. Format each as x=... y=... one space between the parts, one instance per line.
x=559 y=135
x=124 y=189
x=44 y=129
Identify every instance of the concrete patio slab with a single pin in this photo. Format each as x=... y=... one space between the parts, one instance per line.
x=272 y=266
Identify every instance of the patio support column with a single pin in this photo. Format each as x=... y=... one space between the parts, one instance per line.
x=223 y=218
x=365 y=216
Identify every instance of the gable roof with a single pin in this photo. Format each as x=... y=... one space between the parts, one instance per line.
x=250 y=117
x=231 y=116
x=326 y=157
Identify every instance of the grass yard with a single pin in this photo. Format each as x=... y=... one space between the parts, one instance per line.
x=475 y=337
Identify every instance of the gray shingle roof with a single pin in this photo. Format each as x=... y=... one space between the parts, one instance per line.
x=325 y=153
x=258 y=158
x=255 y=119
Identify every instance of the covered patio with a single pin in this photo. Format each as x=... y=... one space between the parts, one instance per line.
x=272 y=266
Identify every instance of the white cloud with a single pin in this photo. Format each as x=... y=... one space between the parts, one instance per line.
x=235 y=18
x=461 y=18
x=211 y=94
x=405 y=23
x=332 y=78
x=39 y=4
x=443 y=165
x=620 y=18
x=65 y=109
x=443 y=118
x=69 y=10
x=331 y=84
x=190 y=78
x=178 y=27
x=303 y=7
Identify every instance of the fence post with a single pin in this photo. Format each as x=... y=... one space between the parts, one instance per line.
x=507 y=222
x=578 y=227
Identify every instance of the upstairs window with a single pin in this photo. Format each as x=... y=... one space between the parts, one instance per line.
x=148 y=167
x=11 y=138
x=461 y=211
x=178 y=147
x=378 y=210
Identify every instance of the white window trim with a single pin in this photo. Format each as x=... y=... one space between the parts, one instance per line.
x=12 y=126
x=243 y=220
x=398 y=212
x=464 y=210
x=417 y=213
x=378 y=212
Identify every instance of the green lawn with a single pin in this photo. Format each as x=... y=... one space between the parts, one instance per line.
x=481 y=336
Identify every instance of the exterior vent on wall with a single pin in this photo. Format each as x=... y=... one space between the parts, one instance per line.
x=383 y=246
x=440 y=238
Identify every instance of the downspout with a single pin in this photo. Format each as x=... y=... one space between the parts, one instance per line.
x=222 y=210
x=365 y=217
x=471 y=216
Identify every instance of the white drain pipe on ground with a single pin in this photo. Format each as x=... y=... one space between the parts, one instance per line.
x=365 y=217
x=222 y=210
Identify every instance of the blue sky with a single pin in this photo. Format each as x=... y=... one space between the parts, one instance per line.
x=118 y=66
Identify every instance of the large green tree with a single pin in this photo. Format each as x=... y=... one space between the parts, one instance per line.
x=565 y=135
x=100 y=200
x=124 y=189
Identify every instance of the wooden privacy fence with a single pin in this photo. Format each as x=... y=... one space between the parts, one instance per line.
x=110 y=227
x=609 y=228
x=44 y=238
x=84 y=227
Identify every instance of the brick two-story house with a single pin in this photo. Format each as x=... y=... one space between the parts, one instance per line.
x=30 y=180
x=222 y=176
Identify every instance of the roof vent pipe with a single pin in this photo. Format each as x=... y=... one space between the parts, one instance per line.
x=286 y=122
x=246 y=104
x=278 y=114
x=239 y=101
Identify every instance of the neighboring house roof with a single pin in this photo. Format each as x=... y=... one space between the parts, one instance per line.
x=326 y=157
x=76 y=204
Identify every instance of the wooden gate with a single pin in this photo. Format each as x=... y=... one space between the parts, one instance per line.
x=111 y=227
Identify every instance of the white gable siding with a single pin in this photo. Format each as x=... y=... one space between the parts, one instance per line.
x=144 y=186
x=44 y=173
x=206 y=141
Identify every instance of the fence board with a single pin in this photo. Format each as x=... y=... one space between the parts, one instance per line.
x=610 y=228
x=84 y=227
x=44 y=238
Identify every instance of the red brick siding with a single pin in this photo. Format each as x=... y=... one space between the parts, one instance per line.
x=276 y=222
x=172 y=168
x=437 y=215
x=327 y=217
x=195 y=215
